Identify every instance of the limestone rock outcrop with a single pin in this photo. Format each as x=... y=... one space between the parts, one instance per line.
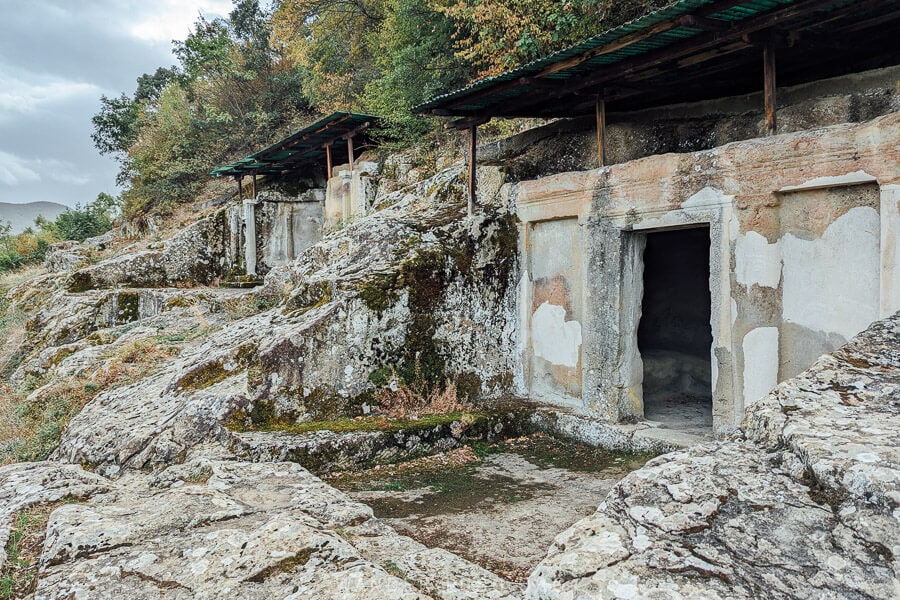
x=197 y=255
x=154 y=497
x=211 y=528
x=802 y=503
x=413 y=286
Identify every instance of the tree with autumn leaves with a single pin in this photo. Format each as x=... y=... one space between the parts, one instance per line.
x=248 y=79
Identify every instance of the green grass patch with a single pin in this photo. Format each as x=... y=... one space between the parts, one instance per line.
x=23 y=550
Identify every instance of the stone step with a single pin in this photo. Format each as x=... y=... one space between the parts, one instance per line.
x=243 y=283
x=644 y=436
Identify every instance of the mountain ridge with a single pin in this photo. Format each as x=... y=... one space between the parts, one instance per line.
x=22 y=216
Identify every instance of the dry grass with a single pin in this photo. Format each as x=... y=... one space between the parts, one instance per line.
x=12 y=279
x=31 y=427
x=12 y=340
x=403 y=401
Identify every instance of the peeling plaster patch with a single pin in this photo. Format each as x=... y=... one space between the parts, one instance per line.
x=757 y=261
x=734 y=228
x=760 y=363
x=832 y=284
x=553 y=338
x=854 y=178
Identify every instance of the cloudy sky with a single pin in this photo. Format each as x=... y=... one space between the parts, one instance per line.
x=57 y=57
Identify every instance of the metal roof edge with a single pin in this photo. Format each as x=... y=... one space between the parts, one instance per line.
x=322 y=122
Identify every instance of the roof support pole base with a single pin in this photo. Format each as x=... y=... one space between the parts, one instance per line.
x=350 y=151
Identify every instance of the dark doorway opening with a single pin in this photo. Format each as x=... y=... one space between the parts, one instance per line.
x=674 y=335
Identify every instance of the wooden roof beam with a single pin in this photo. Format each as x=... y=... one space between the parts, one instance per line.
x=615 y=90
x=354 y=132
x=468 y=122
x=706 y=41
x=619 y=91
x=704 y=23
x=303 y=138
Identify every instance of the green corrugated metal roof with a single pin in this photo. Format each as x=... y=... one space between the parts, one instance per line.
x=301 y=146
x=738 y=12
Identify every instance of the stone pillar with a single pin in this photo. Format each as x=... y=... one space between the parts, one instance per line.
x=613 y=370
x=890 y=250
x=362 y=189
x=289 y=228
x=235 y=224
x=250 y=237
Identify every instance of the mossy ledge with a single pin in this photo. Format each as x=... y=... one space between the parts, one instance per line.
x=239 y=423
x=353 y=444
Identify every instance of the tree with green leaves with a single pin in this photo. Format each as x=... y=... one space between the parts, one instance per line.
x=230 y=93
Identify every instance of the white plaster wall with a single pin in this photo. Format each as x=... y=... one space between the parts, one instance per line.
x=811 y=275
x=295 y=227
x=362 y=188
x=553 y=338
x=832 y=284
x=337 y=196
x=760 y=348
x=890 y=250
x=757 y=262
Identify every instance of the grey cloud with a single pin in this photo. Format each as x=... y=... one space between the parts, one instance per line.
x=56 y=58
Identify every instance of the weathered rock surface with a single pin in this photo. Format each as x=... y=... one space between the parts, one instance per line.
x=197 y=255
x=213 y=527
x=444 y=574
x=411 y=282
x=248 y=531
x=66 y=256
x=27 y=484
x=326 y=451
x=66 y=318
x=147 y=426
x=803 y=503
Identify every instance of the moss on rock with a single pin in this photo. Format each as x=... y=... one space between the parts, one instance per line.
x=127 y=307
x=80 y=282
x=213 y=371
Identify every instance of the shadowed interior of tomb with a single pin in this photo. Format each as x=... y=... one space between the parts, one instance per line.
x=674 y=335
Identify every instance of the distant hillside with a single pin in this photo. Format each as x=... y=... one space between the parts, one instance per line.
x=23 y=215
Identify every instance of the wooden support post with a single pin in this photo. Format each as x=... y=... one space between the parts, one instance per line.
x=769 y=86
x=601 y=131
x=254 y=185
x=350 y=151
x=329 y=166
x=473 y=142
x=240 y=182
